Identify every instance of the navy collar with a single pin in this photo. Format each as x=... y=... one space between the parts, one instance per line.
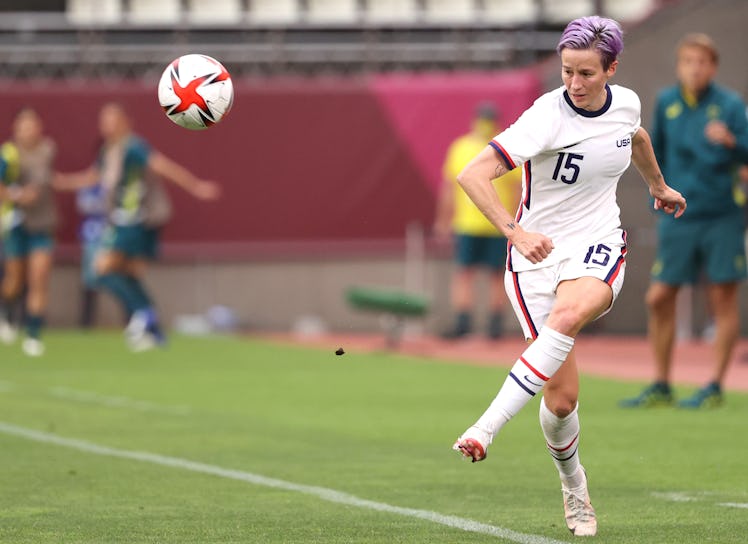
x=588 y=113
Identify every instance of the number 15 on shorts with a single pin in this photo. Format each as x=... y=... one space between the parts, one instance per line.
x=598 y=254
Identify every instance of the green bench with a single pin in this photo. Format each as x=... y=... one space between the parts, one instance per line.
x=395 y=305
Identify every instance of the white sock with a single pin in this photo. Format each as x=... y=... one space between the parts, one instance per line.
x=562 y=440
x=536 y=365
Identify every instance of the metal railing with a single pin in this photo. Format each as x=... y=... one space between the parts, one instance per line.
x=51 y=45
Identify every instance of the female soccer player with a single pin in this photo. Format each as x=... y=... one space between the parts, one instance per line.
x=130 y=172
x=567 y=256
x=28 y=219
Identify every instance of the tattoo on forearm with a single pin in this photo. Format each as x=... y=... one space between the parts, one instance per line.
x=511 y=226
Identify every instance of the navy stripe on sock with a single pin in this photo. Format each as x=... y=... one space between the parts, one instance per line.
x=529 y=391
x=563 y=458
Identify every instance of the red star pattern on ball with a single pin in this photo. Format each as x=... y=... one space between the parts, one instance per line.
x=188 y=95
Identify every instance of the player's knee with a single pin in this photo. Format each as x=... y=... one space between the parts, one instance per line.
x=11 y=290
x=561 y=403
x=659 y=299
x=12 y=285
x=566 y=319
x=106 y=263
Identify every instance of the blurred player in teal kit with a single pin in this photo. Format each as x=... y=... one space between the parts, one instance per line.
x=700 y=138
x=28 y=217
x=129 y=171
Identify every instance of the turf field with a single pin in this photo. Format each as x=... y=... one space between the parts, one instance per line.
x=235 y=440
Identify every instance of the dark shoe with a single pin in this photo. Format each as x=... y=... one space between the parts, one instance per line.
x=709 y=396
x=454 y=334
x=657 y=394
x=462 y=327
x=496 y=326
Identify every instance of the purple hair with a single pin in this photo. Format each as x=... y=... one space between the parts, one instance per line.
x=594 y=32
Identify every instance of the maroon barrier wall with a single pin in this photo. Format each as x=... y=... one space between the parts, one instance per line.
x=339 y=161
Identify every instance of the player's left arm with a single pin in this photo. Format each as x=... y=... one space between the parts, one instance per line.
x=27 y=195
x=20 y=195
x=178 y=174
x=642 y=155
x=41 y=178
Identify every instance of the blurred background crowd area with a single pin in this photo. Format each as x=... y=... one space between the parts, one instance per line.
x=331 y=159
x=130 y=38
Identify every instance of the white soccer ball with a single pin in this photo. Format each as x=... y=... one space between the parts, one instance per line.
x=195 y=91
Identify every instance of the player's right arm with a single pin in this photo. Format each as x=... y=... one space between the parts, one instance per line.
x=75 y=181
x=178 y=174
x=476 y=180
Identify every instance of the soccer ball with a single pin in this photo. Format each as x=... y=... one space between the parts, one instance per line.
x=195 y=91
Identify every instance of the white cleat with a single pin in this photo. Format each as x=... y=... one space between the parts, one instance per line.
x=473 y=444
x=580 y=516
x=8 y=333
x=137 y=326
x=33 y=347
x=142 y=342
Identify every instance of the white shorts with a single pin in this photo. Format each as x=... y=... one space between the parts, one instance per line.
x=533 y=292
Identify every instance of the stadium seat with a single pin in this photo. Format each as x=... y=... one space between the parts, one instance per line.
x=395 y=305
x=563 y=11
x=510 y=12
x=391 y=11
x=628 y=10
x=332 y=11
x=154 y=11
x=274 y=12
x=214 y=11
x=449 y=11
x=94 y=11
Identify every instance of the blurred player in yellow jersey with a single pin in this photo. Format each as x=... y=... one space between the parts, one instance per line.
x=477 y=243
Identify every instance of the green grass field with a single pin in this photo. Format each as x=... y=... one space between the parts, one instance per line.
x=376 y=427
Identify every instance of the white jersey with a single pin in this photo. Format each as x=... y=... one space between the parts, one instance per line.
x=573 y=159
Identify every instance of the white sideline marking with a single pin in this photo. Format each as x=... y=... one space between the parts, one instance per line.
x=6 y=387
x=679 y=496
x=126 y=403
x=323 y=493
x=674 y=496
x=733 y=504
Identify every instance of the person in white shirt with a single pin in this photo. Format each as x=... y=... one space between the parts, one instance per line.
x=567 y=256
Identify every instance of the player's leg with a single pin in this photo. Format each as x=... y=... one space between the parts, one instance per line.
x=121 y=245
x=723 y=246
x=110 y=265
x=577 y=302
x=661 y=305
x=559 y=419
x=146 y=316
x=495 y=260
x=39 y=269
x=10 y=291
x=461 y=289
x=723 y=298
x=560 y=422
x=144 y=329
x=11 y=288
x=559 y=411
x=724 y=302
x=676 y=264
